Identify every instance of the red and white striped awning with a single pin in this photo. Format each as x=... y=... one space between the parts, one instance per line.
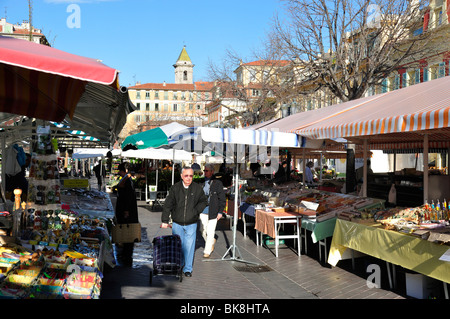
x=46 y=83
x=420 y=108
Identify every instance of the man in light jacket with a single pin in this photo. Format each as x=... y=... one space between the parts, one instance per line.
x=213 y=188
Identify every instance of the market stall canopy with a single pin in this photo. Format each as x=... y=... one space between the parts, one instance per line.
x=159 y=154
x=152 y=138
x=300 y=120
x=398 y=118
x=45 y=83
x=101 y=112
x=80 y=153
x=237 y=137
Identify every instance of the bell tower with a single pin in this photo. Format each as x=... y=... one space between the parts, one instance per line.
x=184 y=69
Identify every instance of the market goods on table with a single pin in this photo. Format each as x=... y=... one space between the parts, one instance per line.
x=430 y=222
x=331 y=205
x=316 y=204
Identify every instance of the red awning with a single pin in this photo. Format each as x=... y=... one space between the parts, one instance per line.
x=46 y=83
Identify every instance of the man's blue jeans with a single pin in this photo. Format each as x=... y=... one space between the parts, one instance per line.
x=188 y=235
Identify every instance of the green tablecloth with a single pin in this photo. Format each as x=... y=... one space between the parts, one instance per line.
x=319 y=230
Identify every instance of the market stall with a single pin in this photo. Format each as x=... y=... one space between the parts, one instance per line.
x=54 y=99
x=412 y=119
x=318 y=210
x=398 y=237
x=52 y=251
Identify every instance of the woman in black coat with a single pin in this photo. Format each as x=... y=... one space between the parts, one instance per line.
x=126 y=211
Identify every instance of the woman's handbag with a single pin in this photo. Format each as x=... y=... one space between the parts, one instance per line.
x=126 y=233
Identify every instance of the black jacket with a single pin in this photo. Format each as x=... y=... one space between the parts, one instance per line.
x=184 y=206
x=126 y=201
x=217 y=199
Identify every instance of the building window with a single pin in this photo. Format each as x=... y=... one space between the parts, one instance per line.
x=396 y=82
x=137 y=118
x=147 y=94
x=185 y=76
x=166 y=107
x=441 y=70
x=138 y=106
x=156 y=95
x=147 y=106
x=384 y=86
x=156 y=107
x=138 y=95
x=255 y=92
x=166 y=95
x=417 y=76
x=404 y=80
x=191 y=106
x=175 y=108
x=425 y=74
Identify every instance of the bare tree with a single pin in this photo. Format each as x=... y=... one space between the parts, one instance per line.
x=249 y=100
x=346 y=46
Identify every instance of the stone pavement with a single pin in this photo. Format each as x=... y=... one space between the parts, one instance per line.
x=287 y=277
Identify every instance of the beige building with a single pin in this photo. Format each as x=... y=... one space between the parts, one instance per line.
x=161 y=103
x=22 y=31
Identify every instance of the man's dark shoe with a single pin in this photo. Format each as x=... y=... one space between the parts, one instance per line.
x=188 y=274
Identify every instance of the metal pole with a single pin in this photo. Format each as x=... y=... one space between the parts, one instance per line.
x=233 y=248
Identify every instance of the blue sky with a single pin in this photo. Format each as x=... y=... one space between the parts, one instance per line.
x=143 y=38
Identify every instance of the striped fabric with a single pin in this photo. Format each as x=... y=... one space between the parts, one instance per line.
x=417 y=108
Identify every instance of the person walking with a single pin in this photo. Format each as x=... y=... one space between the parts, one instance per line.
x=213 y=189
x=126 y=211
x=184 y=203
x=99 y=171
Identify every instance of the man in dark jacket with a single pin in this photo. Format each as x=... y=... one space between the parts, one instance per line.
x=213 y=188
x=185 y=202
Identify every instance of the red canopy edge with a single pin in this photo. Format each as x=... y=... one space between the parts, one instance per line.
x=34 y=56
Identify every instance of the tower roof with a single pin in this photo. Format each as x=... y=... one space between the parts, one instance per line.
x=184 y=56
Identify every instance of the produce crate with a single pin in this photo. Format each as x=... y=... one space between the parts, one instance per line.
x=46 y=292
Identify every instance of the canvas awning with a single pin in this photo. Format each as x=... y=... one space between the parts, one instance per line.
x=401 y=117
x=42 y=82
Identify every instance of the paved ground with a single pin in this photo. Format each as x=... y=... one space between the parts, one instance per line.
x=287 y=277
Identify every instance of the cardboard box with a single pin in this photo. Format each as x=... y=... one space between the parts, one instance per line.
x=421 y=287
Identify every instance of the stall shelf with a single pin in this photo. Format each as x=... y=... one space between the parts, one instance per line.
x=396 y=248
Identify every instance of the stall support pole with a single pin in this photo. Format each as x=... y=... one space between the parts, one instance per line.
x=364 y=185
x=304 y=167
x=233 y=248
x=425 y=168
x=3 y=166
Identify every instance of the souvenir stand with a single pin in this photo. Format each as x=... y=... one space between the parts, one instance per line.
x=413 y=237
x=48 y=251
x=54 y=251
